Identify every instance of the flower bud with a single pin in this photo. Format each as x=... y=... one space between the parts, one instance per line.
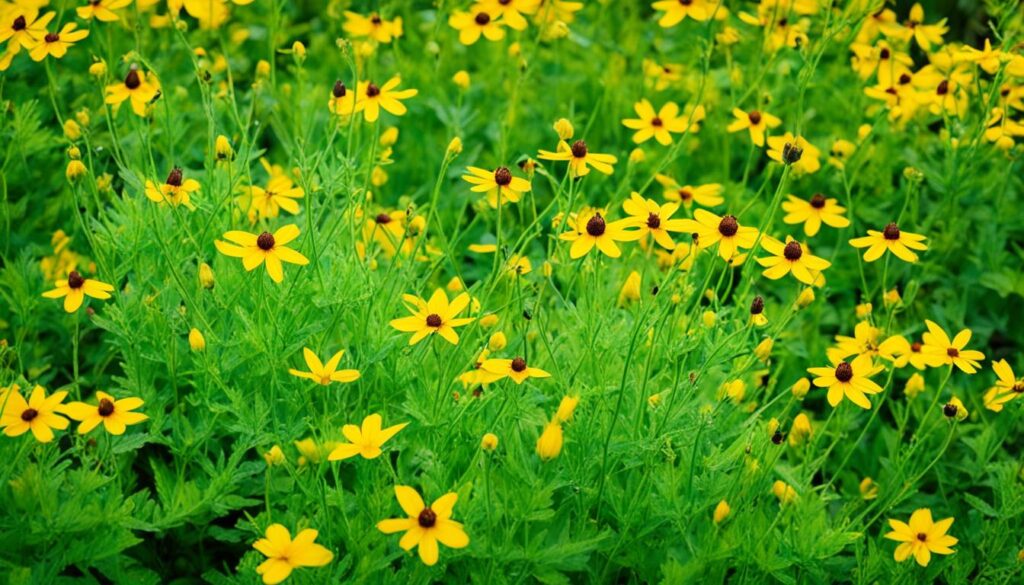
x=708 y=318
x=222 y=148
x=489 y=442
x=914 y=386
x=868 y=489
x=564 y=129
x=461 y=80
x=800 y=388
x=299 y=50
x=454 y=147
x=549 y=444
x=98 y=69
x=262 y=68
x=722 y=511
x=764 y=349
x=566 y=408
x=196 y=340
x=488 y=321
x=206 y=276
x=76 y=170
x=806 y=298
x=72 y=131
x=497 y=342
x=800 y=431
x=275 y=456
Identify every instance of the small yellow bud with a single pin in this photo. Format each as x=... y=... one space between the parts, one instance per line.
x=566 y=407
x=454 y=147
x=630 y=289
x=461 y=79
x=98 y=69
x=914 y=386
x=206 y=275
x=222 y=148
x=275 y=456
x=514 y=50
x=564 y=129
x=299 y=50
x=76 y=170
x=868 y=489
x=654 y=400
x=800 y=431
x=83 y=116
x=546 y=269
x=489 y=442
x=378 y=176
x=74 y=153
x=806 y=297
x=764 y=349
x=549 y=444
x=784 y=492
x=196 y=340
x=955 y=409
x=892 y=298
x=863 y=131
x=800 y=389
x=262 y=68
x=72 y=131
x=734 y=391
x=722 y=511
x=637 y=155
x=863 y=310
x=708 y=318
x=497 y=342
x=773 y=425
x=389 y=137
x=488 y=321
x=455 y=285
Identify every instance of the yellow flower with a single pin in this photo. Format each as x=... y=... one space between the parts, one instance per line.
x=630 y=289
x=940 y=351
x=372 y=26
x=489 y=442
x=892 y=239
x=76 y=288
x=22 y=27
x=563 y=128
x=285 y=555
x=222 y=148
x=814 y=212
x=76 y=170
x=1007 y=387
x=254 y=250
x=365 y=441
x=755 y=121
x=914 y=385
x=387 y=97
x=39 y=414
x=480 y=21
x=706 y=195
x=566 y=408
x=800 y=388
x=549 y=444
x=115 y=414
x=955 y=409
x=807 y=161
x=280 y=193
x=784 y=492
x=658 y=125
x=651 y=218
x=461 y=79
x=764 y=349
x=175 y=190
x=425 y=526
x=676 y=10
x=510 y=11
x=589 y=229
x=434 y=316
x=102 y=10
x=921 y=537
x=497 y=182
x=868 y=489
x=791 y=258
x=722 y=511
x=848 y=379
x=800 y=431
x=725 y=231
x=926 y=35
x=196 y=341
x=516 y=369
x=343 y=102
x=322 y=373
x=56 y=44
x=580 y=158
x=275 y=456
x=136 y=88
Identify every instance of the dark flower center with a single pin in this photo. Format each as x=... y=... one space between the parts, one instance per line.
x=793 y=251
x=656 y=121
x=791 y=153
x=19 y=23
x=106 y=407
x=1018 y=387
x=502 y=176
x=891 y=232
x=596 y=225
x=434 y=320
x=884 y=54
x=778 y=437
x=132 y=81
x=382 y=218
x=518 y=365
x=75 y=279
x=579 y=149
x=950 y=411
x=754 y=117
x=685 y=194
x=953 y=352
x=29 y=414
x=482 y=18
x=686 y=2
x=943 y=88
x=653 y=221
x=728 y=226
x=905 y=79
x=51 y=37
x=339 y=90
x=915 y=347
x=174 y=179
x=372 y=90
x=265 y=241
x=844 y=372
x=818 y=201
x=427 y=518
x=757 y=306
x=922 y=536
x=375 y=19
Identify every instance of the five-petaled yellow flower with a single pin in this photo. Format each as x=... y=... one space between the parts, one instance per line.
x=76 y=288
x=426 y=525
x=756 y=121
x=372 y=26
x=365 y=441
x=1007 y=387
x=479 y=21
x=651 y=218
x=516 y=369
x=724 y=231
x=500 y=180
x=893 y=239
x=102 y=10
x=589 y=229
x=39 y=414
x=791 y=258
x=921 y=537
x=255 y=249
x=136 y=88
x=387 y=97
x=580 y=158
x=175 y=190
x=434 y=316
x=115 y=414
x=657 y=124
x=848 y=379
x=708 y=195
x=284 y=554
x=813 y=213
x=676 y=10
x=322 y=373
x=939 y=350
x=809 y=154
x=56 y=44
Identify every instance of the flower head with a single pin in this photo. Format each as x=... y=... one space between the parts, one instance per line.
x=497 y=183
x=791 y=258
x=708 y=195
x=580 y=158
x=921 y=537
x=939 y=350
x=56 y=44
x=477 y=22
x=434 y=316
x=115 y=414
x=76 y=288
x=589 y=229
x=137 y=88
x=324 y=373
x=425 y=526
x=812 y=213
x=102 y=10
x=656 y=124
x=39 y=414
x=711 y=229
x=285 y=555
x=780 y=147
x=517 y=369
x=848 y=379
x=756 y=122
x=174 y=191
x=893 y=239
x=366 y=441
x=655 y=219
x=255 y=249
x=387 y=97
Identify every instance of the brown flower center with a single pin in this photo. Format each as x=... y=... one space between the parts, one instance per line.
x=19 y=23
x=106 y=407
x=427 y=518
x=728 y=226
x=953 y=352
x=502 y=176
x=339 y=90
x=818 y=201
x=656 y=121
x=685 y=194
x=921 y=535
x=382 y=218
x=884 y=54
x=434 y=320
x=793 y=251
x=518 y=365
x=757 y=306
x=905 y=79
x=375 y=19
x=482 y=18
x=75 y=279
x=174 y=179
x=29 y=414
x=596 y=225
x=844 y=372
x=51 y=37
x=950 y=411
x=132 y=81
x=943 y=87
x=891 y=232
x=791 y=153
x=915 y=347
x=265 y=241
x=579 y=149
x=754 y=117
x=372 y=90
x=653 y=221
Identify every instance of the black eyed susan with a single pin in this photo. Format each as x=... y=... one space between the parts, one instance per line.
x=648 y=217
x=102 y=10
x=818 y=210
x=477 y=22
x=137 y=88
x=176 y=190
x=279 y=193
x=756 y=122
x=22 y=27
x=39 y=414
x=372 y=26
x=659 y=125
x=76 y=288
x=675 y=11
x=1007 y=387
x=902 y=352
x=517 y=369
x=511 y=12
x=725 y=231
x=941 y=351
x=580 y=158
x=322 y=373
x=285 y=554
x=708 y=195
x=499 y=181
x=926 y=35
x=56 y=44
x=365 y=441
x=116 y=415
x=921 y=537
x=436 y=315
x=893 y=239
x=386 y=97
x=781 y=147
x=590 y=229
x=267 y=247
x=426 y=526
x=791 y=258
x=343 y=100
x=851 y=380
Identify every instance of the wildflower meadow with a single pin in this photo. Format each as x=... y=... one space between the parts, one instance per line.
x=511 y=291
